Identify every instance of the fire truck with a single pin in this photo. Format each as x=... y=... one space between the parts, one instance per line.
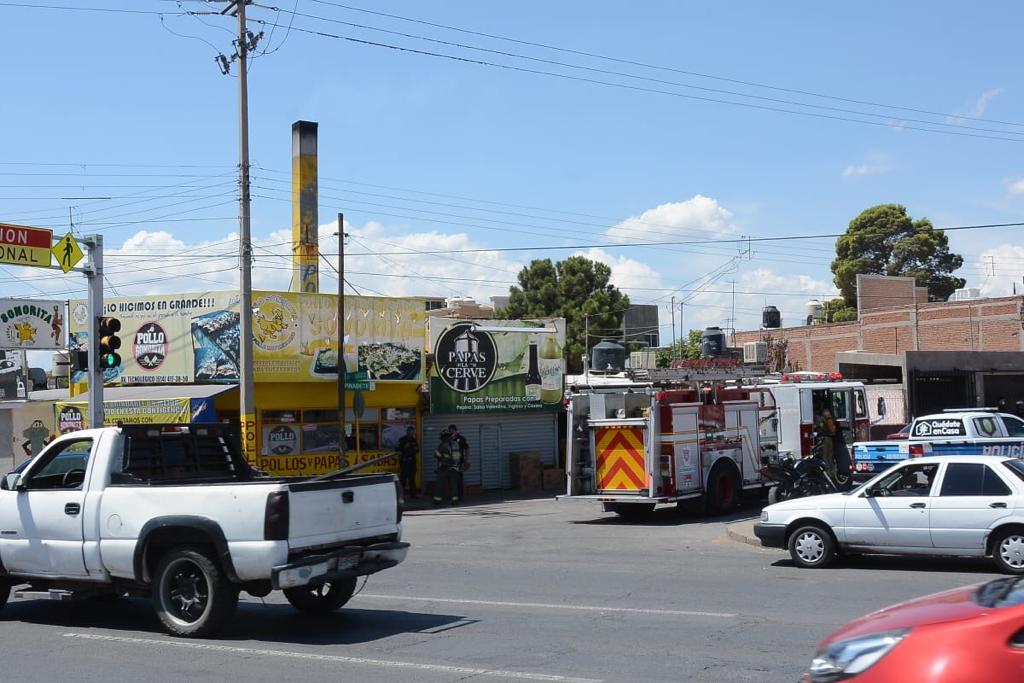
x=696 y=433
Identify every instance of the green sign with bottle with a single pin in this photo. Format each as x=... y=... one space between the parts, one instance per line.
x=496 y=365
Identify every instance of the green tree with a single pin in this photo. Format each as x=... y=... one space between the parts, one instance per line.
x=688 y=347
x=836 y=311
x=885 y=240
x=576 y=289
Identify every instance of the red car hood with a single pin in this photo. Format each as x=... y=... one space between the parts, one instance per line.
x=952 y=605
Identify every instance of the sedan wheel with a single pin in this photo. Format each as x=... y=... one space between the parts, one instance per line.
x=1008 y=552
x=811 y=547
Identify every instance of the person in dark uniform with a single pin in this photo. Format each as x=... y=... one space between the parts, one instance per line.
x=448 y=470
x=459 y=443
x=408 y=451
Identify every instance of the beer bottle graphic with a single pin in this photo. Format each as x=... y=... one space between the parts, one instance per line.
x=533 y=380
x=550 y=371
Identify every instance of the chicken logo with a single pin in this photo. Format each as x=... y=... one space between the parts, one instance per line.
x=23 y=333
x=274 y=322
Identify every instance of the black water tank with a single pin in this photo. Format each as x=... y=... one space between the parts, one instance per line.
x=771 y=319
x=712 y=342
x=608 y=356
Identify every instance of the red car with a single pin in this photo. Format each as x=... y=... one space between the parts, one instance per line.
x=966 y=635
x=903 y=433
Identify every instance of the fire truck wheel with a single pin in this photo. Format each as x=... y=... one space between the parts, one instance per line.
x=723 y=488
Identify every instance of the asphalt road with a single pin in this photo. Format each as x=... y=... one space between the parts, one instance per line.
x=523 y=590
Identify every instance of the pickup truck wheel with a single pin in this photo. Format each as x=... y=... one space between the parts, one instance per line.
x=322 y=599
x=192 y=596
x=812 y=547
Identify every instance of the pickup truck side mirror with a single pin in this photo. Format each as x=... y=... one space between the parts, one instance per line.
x=11 y=482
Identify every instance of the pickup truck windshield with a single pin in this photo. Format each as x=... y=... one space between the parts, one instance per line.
x=155 y=455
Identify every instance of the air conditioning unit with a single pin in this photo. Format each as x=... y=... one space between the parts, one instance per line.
x=755 y=353
x=643 y=360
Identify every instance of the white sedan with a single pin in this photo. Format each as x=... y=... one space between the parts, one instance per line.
x=967 y=505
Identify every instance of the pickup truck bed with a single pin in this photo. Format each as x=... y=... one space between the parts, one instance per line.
x=177 y=513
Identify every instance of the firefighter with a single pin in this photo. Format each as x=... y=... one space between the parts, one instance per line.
x=408 y=450
x=827 y=430
x=459 y=442
x=449 y=465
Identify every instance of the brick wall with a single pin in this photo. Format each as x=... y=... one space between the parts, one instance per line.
x=875 y=292
x=981 y=325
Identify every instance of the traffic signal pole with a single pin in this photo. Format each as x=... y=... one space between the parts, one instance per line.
x=94 y=275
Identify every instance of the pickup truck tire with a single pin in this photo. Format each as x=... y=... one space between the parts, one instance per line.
x=812 y=547
x=192 y=596
x=322 y=599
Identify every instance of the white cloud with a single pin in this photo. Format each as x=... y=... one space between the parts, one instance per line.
x=977 y=108
x=1003 y=268
x=863 y=170
x=1016 y=187
x=699 y=217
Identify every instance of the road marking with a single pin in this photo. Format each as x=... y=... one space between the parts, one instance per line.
x=441 y=668
x=545 y=605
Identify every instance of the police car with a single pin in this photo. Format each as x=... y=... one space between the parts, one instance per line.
x=976 y=431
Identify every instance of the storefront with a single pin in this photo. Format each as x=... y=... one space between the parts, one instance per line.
x=500 y=383
x=193 y=339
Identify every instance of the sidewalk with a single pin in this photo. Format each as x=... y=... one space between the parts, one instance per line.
x=743 y=532
x=422 y=502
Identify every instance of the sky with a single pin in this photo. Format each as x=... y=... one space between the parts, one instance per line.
x=697 y=121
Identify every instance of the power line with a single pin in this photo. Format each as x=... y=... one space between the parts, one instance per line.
x=647 y=65
x=112 y=10
x=607 y=72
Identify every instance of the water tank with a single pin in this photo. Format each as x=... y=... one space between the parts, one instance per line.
x=712 y=342
x=771 y=319
x=813 y=312
x=608 y=356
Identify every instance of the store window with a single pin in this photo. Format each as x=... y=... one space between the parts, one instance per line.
x=396 y=421
x=367 y=430
x=320 y=431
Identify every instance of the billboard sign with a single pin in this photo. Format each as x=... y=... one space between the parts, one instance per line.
x=480 y=367
x=31 y=324
x=194 y=338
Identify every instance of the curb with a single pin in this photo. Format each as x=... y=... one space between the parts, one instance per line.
x=743 y=532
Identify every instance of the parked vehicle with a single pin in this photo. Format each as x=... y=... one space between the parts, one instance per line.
x=903 y=433
x=695 y=432
x=950 y=505
x=954 y=432
x=967 y=634
x=797 y=478
x=175 y=512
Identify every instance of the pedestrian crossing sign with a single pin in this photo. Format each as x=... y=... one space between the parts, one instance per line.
x=67 y=252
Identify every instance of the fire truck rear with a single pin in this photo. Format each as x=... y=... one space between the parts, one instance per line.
x=675 y=435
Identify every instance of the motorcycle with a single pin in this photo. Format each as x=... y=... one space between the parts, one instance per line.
x=799 y=478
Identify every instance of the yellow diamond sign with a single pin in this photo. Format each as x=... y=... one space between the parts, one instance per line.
x=67 y=252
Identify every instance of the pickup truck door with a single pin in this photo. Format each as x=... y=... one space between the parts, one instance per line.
x=41 y=531
x=897 y=511
x=972 y=499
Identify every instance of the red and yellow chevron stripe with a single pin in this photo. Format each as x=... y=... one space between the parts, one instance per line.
x=620 y=459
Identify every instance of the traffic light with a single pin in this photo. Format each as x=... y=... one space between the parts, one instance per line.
x=109 y=343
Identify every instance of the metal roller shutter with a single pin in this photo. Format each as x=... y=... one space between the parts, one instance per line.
x=491 y=439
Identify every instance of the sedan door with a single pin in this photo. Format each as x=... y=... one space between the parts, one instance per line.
x=972 y=498
x=894 y=512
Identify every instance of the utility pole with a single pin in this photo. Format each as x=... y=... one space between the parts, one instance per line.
x=674 y=347
x=342 y=370
x=94 y=276
x=246 y=386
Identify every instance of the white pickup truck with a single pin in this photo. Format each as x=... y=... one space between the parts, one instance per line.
x=176 y=513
